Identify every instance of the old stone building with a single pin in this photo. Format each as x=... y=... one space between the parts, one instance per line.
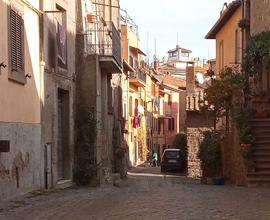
x=196 y=121
x=258 y=11
x=98 y=44
x=58 y=60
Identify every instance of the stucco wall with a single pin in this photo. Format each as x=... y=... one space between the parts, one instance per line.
x=25 y=155
x=20 y=103
x=227 y=35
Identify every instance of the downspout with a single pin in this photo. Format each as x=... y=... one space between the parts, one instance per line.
x=42 y=95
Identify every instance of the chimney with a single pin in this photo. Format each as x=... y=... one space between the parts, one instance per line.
x=190 y=77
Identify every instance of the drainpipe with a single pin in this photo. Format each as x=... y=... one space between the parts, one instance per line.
x=42 y=67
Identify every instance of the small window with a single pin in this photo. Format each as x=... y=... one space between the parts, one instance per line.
x=17 y=47
x=130 y=105
x=61 y=37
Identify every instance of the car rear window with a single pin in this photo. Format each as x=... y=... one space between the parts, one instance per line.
x=172 y=154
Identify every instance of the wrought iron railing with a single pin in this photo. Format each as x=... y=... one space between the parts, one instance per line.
x=138 y=75
x=105 y=39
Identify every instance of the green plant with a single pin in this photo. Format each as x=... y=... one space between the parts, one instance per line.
x=210 y=152
x=246 y=136
x=257 y=56
x=244 y=23
x=180 y=140
x=241 y=115
x=246 y=151
x=220 y=94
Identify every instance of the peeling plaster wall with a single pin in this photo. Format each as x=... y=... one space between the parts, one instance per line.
x=25 y=155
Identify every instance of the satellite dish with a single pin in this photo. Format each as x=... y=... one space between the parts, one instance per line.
x=200 y=78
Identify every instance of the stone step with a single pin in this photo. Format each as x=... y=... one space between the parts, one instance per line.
x=259 y=174
x=262 y=167
x=261 y=130
x=260 y=120
x=260 y=148
x=262 y=142
x=259 y=180
x=262 y=139
x=261 y=154
x=261 y=160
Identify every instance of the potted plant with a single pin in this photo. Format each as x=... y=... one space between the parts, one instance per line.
x=244 y=23
x=210 y=156
x=259 y=95
x=262 y=113
x=245 y=136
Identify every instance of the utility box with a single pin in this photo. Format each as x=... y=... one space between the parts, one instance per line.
x=4 y=146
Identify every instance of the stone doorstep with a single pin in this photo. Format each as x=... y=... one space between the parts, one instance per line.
x=62 y=184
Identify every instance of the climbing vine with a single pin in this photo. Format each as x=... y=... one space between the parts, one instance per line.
x=257 y=55
x=85 y=168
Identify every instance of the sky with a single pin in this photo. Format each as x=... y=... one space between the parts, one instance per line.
x=162 y=21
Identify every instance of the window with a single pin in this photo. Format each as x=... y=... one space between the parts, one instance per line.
x=130 y=105
x=237 y=47
x=171 y=124
x=61 y=37
x=184 y=54
x=159 y=126
x=169 y=99
x=17 y=47
x=109 y=95
x=136 y=107
x=221 y=57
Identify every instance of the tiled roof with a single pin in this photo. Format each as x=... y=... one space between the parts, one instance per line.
x=225 y=16
x=180 y=48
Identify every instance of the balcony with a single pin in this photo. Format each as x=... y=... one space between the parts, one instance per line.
x=105 y=41
x=194 y=101
x=137 y=78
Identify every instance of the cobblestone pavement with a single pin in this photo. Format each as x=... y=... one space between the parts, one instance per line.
x=145 y=195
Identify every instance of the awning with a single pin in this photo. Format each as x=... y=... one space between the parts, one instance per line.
x=137 y=50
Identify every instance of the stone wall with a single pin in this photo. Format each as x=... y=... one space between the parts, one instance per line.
x=197 y=123
x=260 y=19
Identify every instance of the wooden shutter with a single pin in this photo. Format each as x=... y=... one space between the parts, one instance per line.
x=16 y=38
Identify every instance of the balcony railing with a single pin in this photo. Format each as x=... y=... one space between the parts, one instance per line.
x=139 y=75
x=105 y=40
x=194 y=101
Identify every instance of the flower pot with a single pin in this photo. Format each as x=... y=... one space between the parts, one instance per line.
x=245 y=146
x=259 y=99
x=91 y=18
x=261 y=114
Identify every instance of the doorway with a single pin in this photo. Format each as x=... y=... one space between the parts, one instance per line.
x=63 y=148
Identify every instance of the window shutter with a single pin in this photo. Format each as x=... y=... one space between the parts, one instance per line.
x=19 y=38
x=13 y=40
x=16 y=38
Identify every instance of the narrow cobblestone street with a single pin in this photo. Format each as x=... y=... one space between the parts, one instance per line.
x=145 y=195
